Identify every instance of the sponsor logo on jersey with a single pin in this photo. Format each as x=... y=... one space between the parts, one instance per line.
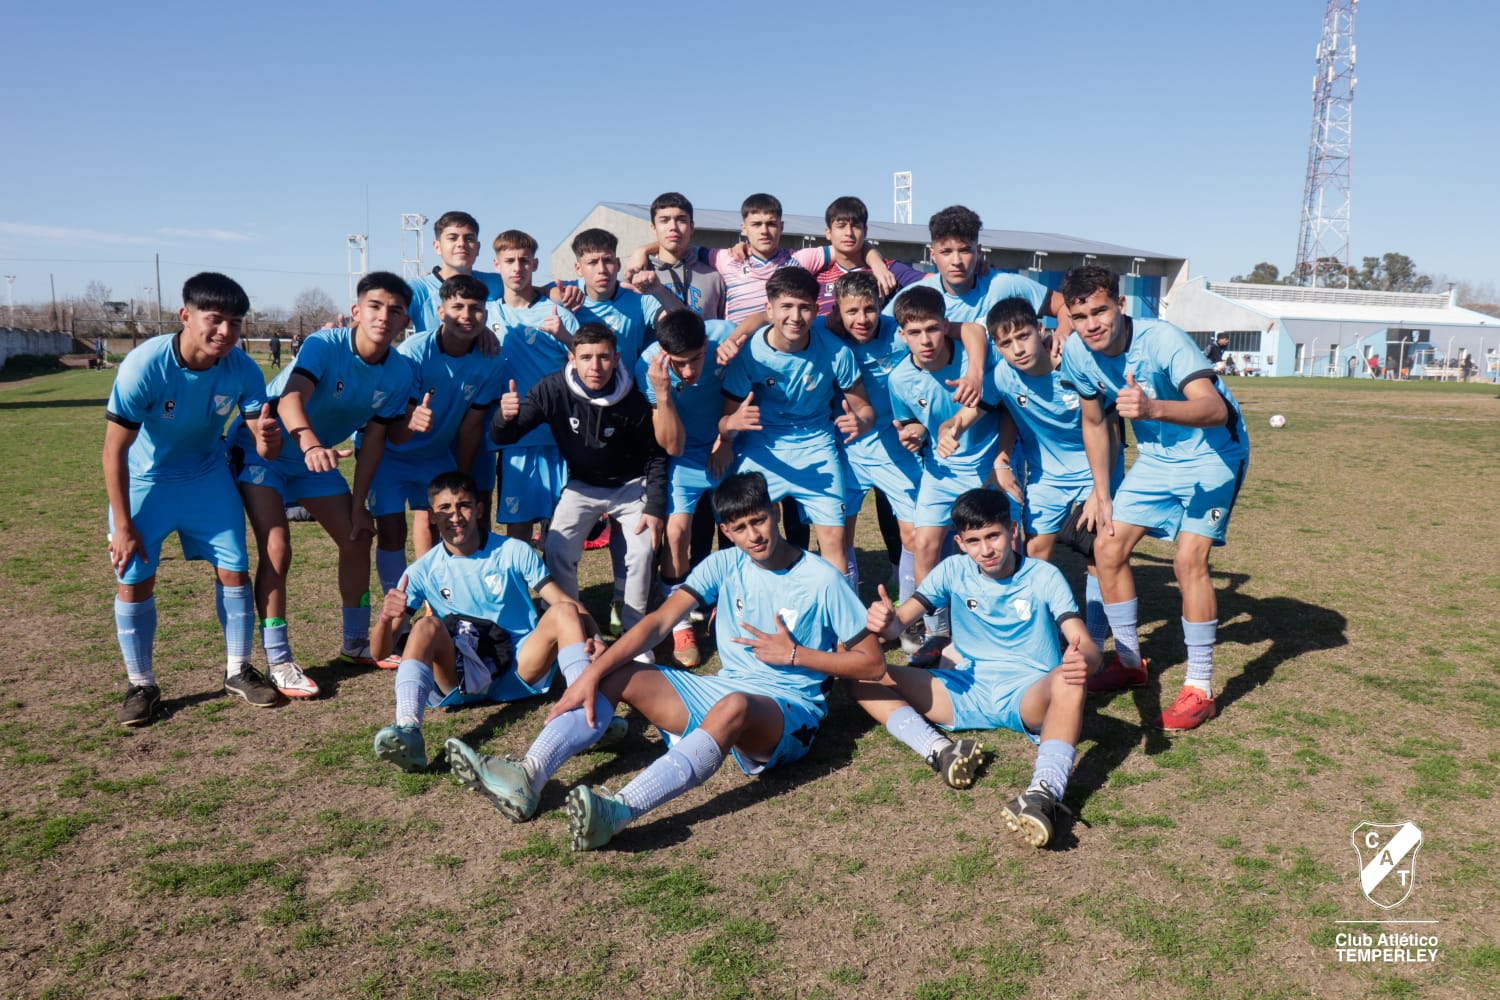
x=338 y=389
x=922 y=403
x=972 y=604
x=771 y=381
x=1215 y=515
x=1021 y=401
x=573 y=423
x=445 y=594
x=169 y=409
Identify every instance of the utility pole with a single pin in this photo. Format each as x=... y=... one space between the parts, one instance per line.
x=1324 y=233
x=10 y=299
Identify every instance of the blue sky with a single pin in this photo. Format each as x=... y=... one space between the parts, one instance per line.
x=251 y=138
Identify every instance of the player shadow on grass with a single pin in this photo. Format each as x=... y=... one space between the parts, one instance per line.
x=168 y=707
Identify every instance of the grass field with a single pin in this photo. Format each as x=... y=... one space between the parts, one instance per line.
x=226 y=851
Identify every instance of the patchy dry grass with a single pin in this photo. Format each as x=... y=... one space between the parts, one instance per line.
x=229 y=852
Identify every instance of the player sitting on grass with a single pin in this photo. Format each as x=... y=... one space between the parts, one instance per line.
x=1193 y=451
x=778 y=394
x=164 y=471
x=787 y=623
x=457 y=384
x=342 y=380
x=683 y=385
x=604 y=430
x=1012 y=673
x=482 y=640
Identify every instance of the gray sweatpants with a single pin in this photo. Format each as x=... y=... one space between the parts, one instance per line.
x=578 y=510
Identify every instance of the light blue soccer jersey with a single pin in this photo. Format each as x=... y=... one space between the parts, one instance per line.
x=1049 y=417
x=876 y=358
x=629 y=314
x=458 y=385
x=974 y=305
x=180 y=413
x=923 y=396
x=795 y=392
x=1005 y=622
x=1162 y=359
x=347 y=392
x=819 y=607
x=495 y=583
x=699 y=405
x=529 y=352
x=425 y=298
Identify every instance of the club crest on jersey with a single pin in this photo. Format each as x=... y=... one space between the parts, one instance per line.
x=378 y=399
x=468 y=391
x=256 y=474
x=788 y=616
x=223 y=404
x=810 y=383
x=169 y=409
x=338 y=389
x=513 y=504
x=1022 y=606
x=1070 y=400
x=1387 y=855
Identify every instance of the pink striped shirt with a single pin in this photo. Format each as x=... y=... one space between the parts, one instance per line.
x=745 y=281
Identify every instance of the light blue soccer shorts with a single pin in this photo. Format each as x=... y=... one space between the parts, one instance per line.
x=689 y=480
x=874 y=462
x=1048 y=502
x=799 y=719
x=1168 y=497
x=400 y=482
x=532 y=479
x=813 y=476
x=290 y=477
x=505 y=688
x=205 y=512
x=991 y=701
x=941 y=485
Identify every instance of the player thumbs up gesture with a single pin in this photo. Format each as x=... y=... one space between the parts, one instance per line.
x=394 y=607
x=420 y=420
x=847 y=423
x=746 y=417
x=268 y=432
x=881 y=616
x=510 y=403
x=1075 y=666
x=553 y=324
x=1132 y=402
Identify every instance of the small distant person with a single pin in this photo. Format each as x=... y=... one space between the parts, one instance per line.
x=1215 y=352
x=275 y=345
x=164 y=471
x=297 y=344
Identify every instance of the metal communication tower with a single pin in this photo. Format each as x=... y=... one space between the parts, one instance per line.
x=358 y=243
x=902 y=181
x=411 y=244
x=1325 y=200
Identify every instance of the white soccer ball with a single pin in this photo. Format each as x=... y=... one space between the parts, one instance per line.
x=1278 y=421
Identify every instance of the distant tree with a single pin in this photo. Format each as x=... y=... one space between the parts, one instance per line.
x=95 y=294
x=1330 y=272
x=1392 y=272
x=312 y=308
x=1264 y=273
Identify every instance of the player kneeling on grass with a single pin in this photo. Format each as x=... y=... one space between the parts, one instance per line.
x=788 y=621
x=1012 y=674
x=165 y=471
x=483 y=640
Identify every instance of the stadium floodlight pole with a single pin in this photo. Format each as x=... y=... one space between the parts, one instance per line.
x=158 y=295
x=1401 y=358
x=10 y=300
